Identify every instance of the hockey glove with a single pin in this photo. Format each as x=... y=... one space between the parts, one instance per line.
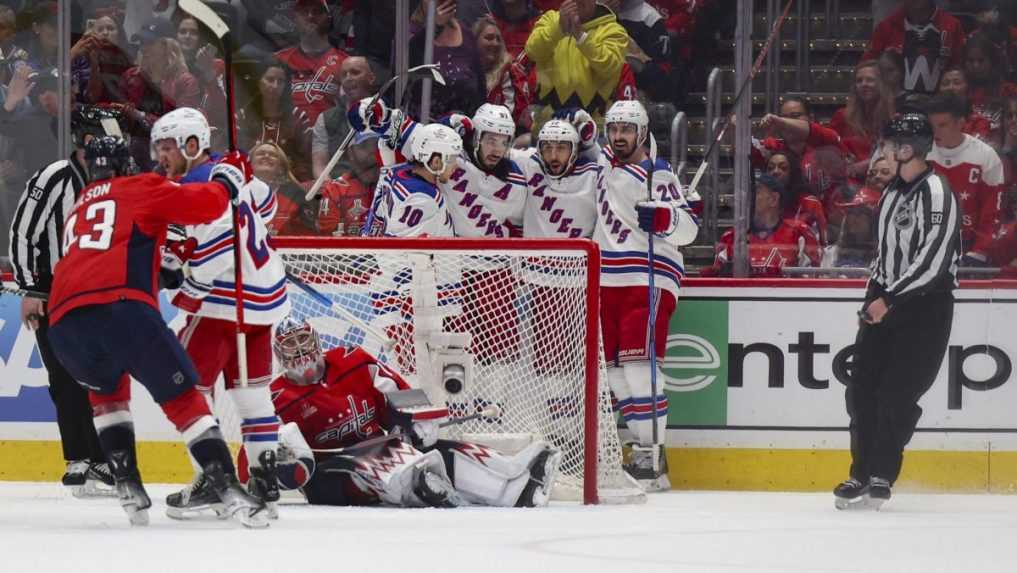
x=240 y=161
x=231 y=177
x=459 y=122
x=655 y=217
x=362 y=116
x=583 y=122
x=411 y=411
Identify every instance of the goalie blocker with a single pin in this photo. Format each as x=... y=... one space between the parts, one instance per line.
x=359 y=400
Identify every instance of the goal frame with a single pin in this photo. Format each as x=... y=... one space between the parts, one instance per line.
x=591 y=344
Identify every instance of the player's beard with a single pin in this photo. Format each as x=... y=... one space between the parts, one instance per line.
x=623 y=154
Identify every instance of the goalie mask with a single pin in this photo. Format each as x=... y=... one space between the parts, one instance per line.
x=297 y=347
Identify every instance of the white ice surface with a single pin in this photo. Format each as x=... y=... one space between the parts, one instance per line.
x=43 y=529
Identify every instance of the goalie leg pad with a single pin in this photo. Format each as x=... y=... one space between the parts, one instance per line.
x=637 y=408
x=392 y=472
x=485 y=477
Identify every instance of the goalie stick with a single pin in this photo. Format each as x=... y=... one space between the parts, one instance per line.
x=756 y=66
x=213 y=22
x=426 y=70
x=491 y=411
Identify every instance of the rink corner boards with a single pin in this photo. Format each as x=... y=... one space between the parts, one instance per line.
x=734 y=469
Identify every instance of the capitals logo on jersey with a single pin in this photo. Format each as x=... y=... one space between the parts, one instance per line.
x=352 y=424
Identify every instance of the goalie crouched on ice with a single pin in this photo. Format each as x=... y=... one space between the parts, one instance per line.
x=345 y=400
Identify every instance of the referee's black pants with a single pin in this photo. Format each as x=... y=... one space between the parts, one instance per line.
x=895 y=363
x=73 y=410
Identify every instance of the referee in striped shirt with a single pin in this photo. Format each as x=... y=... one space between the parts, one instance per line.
x=907 y=316
x=36 y=246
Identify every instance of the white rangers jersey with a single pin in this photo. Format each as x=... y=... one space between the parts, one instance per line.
x=624 y=247
x=407 y=206
x=210 y=268
x=486 y=204
x=564 y=207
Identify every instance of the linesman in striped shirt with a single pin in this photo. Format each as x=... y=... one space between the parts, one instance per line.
x=907 y=316
x=36 y=247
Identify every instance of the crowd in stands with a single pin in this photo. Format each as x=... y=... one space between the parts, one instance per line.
x=299 y=64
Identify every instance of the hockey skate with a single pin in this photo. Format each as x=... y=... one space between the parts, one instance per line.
x=879 y=492
x=543 y=472
x=130 y=491
x=99 y=482
x=851 y=494
x=435 y=490
x=236 y=503
x=75 y=476
x=652 y=477
x=193 y=500
x=263 y=483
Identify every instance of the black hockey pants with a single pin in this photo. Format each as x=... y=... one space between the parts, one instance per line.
x=895 y=363
x=73 y=410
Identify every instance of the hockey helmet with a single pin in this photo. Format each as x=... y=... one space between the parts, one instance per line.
x=910 y=128
x=93 y=120
x=107 y=156
x=438 y=140
x=493 y=118
x=629 y=111
x=298 y=348
x=559 y=130
x=180 y=125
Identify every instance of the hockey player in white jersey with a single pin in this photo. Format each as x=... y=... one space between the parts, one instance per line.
x=204 y=254
x=561 y=199
x=408 y=201
x=626 y=219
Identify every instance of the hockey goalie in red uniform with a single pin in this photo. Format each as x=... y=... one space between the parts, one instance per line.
x=376 y=441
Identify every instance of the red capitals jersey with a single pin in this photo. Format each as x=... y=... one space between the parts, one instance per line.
x=791 y=244
x=928 y=48
x=346 y=408
x=315 y=83
x=809 y=210
x=112 y=239
x=975 y=174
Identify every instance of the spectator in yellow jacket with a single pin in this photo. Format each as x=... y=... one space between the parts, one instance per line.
x=579 y=51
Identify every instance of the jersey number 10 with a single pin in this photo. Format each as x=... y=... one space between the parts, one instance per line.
x=102 y=215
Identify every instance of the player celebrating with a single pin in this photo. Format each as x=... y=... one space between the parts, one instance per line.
x=207 y=293
x=106 y=323
x=561 y=200
x=354 y=401
x=626 y=219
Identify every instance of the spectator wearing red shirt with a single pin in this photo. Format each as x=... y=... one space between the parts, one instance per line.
x=799 y=204
x=954 y=81
x=511 y=82
x=314 y=64
x=983 y=64
x=859 y=123
x=774 y=242
x=515 y=19
x=930 y=39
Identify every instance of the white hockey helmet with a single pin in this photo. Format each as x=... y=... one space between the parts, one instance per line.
x=493 y=118
x=629 y=111
x=180 y=125
x=436 y=139
x=559 y=130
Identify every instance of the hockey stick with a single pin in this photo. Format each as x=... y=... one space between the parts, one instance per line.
x=386 y=342
x=756 y=66
x=427 y=70
x=491 y=411
x=26 y=293
x=213 y=22
x=651 y=325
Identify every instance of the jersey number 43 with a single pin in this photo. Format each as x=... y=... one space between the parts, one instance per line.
x=102 y=215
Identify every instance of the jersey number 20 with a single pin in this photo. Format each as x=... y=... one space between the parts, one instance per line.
x=102 y=215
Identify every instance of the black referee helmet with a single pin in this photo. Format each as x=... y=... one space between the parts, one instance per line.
x=910 y=128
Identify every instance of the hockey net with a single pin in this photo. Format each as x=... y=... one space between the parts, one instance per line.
x=512 y=323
